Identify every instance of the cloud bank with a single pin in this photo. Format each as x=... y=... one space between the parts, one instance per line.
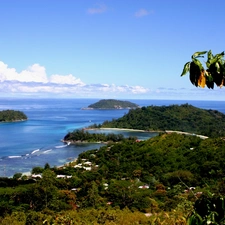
x=34 y=80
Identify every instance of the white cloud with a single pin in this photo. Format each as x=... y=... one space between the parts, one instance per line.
x=142 y=12
x=34 y=73
x=97 y=10
x=68 y=79
x=34 y=80
x=139 y=89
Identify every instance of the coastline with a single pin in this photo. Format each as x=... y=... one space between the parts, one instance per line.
x=125 y=129
x=74 y=160
x=29 y=174
x=14 y=121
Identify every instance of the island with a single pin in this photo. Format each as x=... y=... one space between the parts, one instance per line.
x=112 y=104
x=12 y=116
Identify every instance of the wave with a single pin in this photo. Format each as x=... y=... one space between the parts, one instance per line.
x=60 y=146
x=35 y=151
x=14 y=156
x=49 y=150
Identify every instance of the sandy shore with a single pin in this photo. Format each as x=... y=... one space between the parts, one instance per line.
x=125 y=129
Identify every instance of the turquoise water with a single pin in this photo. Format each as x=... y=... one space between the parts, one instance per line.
x=38 y=140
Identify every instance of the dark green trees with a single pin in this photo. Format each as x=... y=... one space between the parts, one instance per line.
x=174 y=117
x=85 y=136
x=12 y=115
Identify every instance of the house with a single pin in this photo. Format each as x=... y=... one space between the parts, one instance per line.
x=36 y=176
x=144 y=186
x=63 y=176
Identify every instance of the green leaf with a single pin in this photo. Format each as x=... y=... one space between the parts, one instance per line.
x=210 y=55
x=198 y=54
x=209 y=58
x=198 y=63
x=195 y=219
x=186 y=69
x=216 y=58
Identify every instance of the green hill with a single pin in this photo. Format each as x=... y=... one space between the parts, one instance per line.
x=184 y=117
x=164 y=175
x=112 y=104
x=11 y=116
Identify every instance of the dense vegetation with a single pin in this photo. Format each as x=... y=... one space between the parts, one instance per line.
x=12 y=115
x=112 y=104
x=174 y=117
x=85 y=136
x=167 y=176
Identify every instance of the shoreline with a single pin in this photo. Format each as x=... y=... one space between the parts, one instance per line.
x=125 y=129
x=14 y=121
x=29 y=174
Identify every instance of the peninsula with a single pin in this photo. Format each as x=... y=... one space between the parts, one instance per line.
x=112 y=104
x=185 y=118
x=12 y=116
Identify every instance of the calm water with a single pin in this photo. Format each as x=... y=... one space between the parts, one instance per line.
x=37 y=141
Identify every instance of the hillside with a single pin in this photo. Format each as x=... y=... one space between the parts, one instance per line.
x=184 y=117
x=166 y=174
x=112 y=104
x=11 y=116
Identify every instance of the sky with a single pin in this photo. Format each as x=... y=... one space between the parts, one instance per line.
x=124 y=49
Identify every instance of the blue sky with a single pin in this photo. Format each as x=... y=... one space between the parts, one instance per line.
x=123 y=49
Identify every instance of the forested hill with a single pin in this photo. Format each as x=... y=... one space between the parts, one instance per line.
x=11 y=116
x=164 y=176
x=184 y=117
x=112 y=104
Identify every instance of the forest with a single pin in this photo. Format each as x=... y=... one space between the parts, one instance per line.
x=112 y=104
x=85 y=136
x=184 y=117
x=167 y=179
x=11 y=116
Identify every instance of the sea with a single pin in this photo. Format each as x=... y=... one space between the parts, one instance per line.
x=37 y=141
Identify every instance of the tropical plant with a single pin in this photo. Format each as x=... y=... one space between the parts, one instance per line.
x=208 y=210
x=213 y=73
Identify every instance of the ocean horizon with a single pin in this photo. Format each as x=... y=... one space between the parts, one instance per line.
x=37 y=141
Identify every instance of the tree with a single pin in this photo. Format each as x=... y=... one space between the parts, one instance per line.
x=37 y=170
x=93 y=198
x=213 y=73
x=16 y=176
x=45 y=192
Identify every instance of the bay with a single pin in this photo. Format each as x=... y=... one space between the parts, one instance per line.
x=24 y=145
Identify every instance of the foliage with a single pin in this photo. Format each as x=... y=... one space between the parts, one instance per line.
x=174 y=117
x=85 y=136
x=208 y=209
x=213 y=74
x=126 y=178
x=107 y=215
x=112 y=104
x=12 y=115
x=37 y=170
